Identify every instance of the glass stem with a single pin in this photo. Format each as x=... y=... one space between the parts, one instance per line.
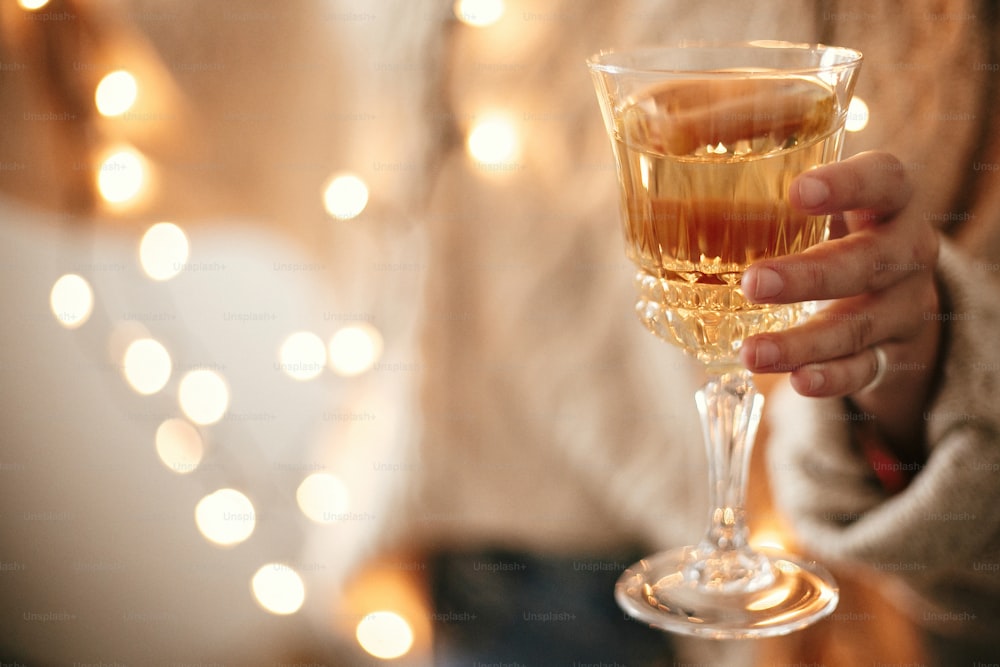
x=730 y=407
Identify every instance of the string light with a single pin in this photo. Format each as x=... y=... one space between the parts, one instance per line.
x=163 y=251
x=225 y=517
x=493 y=140
x=354 y=349
x=278 y=589
x=385 y=635
x=203 y=396
x=122 y=176
x=71 y=300
x=146 y=366
x=32 y=5
x=857 y=115
x=303 y=355
x=116 y=93
x=479 y=13
x=322 y=497
x=179 y=446
x=345 y=196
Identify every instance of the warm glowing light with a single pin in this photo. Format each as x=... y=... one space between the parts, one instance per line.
x=771 y=599
x=345 y=196
x=322 y=497
x=385 y=634
x=767 y=539
x=116 y=93
x=71 y=300
x=303 y=355
x=645 y=167
x=225 y=517
x=179 y=446
x=121 y=176
x=479 y=13
x=32 y=5
x=203 y=396
x=493 y=140
x=354 y=349
x=163 y=251
x=278 y=589
x=857 y=115
x=146 y=366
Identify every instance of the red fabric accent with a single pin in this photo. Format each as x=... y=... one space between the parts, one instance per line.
x=894 y=474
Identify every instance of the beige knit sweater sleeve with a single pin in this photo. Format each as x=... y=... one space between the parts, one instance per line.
x=941 y=534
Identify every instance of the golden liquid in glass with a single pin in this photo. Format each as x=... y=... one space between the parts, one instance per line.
x=705 y=168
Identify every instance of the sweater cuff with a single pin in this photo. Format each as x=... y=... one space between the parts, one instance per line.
x=943 y=523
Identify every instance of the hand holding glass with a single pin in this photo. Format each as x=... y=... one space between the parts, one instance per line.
x=707 y=139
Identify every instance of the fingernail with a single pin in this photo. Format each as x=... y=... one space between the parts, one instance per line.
x=814 y=379
x=761 y=283
x=813 y=192
x=809 y=380
x=766 y=354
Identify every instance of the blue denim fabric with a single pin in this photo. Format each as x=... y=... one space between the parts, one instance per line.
x=507 y=609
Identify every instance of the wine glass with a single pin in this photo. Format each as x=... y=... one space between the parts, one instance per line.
x=707 y=138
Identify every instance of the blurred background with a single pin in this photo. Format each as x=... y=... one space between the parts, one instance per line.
x=302 y=301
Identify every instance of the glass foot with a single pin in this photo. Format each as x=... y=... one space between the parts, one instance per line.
x=789 y=594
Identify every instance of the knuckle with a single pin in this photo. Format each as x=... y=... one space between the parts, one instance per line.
x=856 y=186
x=926 y=247
x=887 y=161
x=882 y=184
x=816 y=277
x=928 y=301
x=878 y=264
x=861 y=331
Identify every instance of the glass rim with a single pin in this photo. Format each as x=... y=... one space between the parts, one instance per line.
x=601 y=61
